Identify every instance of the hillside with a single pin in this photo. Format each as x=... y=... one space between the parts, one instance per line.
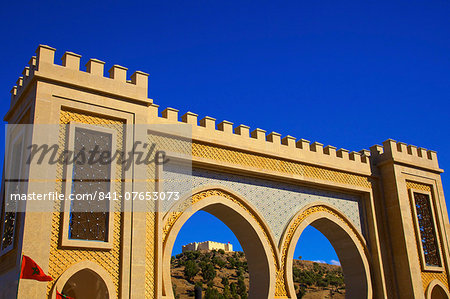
x=224 y=275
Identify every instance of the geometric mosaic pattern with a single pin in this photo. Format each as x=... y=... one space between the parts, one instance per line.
x=61 y=259
x=276 y=202
x=150 y=256
x=89 y=218
x=262 y=162
x=426 y=227
x=10 y=206
x=9 y=226
x=150 y=239
x=169 y=141
x=427 y=276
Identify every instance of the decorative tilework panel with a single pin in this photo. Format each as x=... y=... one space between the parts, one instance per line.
x=62 y=258
x=277 y=202
x=427 y=276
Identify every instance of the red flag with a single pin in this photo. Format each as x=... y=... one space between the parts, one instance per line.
x=62 y=296
x=31 y=270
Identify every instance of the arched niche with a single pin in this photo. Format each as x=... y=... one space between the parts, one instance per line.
x=437 y=290
x=85 y=279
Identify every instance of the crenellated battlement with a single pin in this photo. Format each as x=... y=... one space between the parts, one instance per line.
x=23 y=81
x=401 y=152
x=95 y=124
x=206 y=129
x=69 y=72
x=243 y=137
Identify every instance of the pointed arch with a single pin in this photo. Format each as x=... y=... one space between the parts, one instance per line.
x=348 y=243
x=437 y=290
x=245 y=222
x=91 y=268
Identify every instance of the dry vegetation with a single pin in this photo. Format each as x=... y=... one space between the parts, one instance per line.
x=224 y=275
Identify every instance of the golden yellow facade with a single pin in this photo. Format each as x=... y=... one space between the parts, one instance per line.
x=427 y=276
x=61 y=259
x=361 y=201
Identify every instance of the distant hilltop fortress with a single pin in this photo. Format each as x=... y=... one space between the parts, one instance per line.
x=207 y=245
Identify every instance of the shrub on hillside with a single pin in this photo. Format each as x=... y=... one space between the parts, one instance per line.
x=191 y=255
x=190 y=269
x=241 y=288
x=208 y=272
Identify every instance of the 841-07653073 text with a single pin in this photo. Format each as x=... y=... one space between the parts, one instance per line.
x=132 y=195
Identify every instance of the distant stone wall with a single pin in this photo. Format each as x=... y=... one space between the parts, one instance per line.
x=189 y=247
x=207 y=245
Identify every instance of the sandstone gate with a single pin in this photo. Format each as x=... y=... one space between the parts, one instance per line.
x=383 y=210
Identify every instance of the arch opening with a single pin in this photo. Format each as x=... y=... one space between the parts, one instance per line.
x=86 y=284
x=437 y=290
x=316 y=268
x=349 y=250
x=249 y=234
x=438 y=293
x=213 y=259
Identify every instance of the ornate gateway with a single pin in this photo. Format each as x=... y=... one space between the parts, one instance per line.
x=97 y=184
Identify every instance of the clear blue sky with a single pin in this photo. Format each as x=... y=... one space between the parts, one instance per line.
x=346 y=73
x=312 y=245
